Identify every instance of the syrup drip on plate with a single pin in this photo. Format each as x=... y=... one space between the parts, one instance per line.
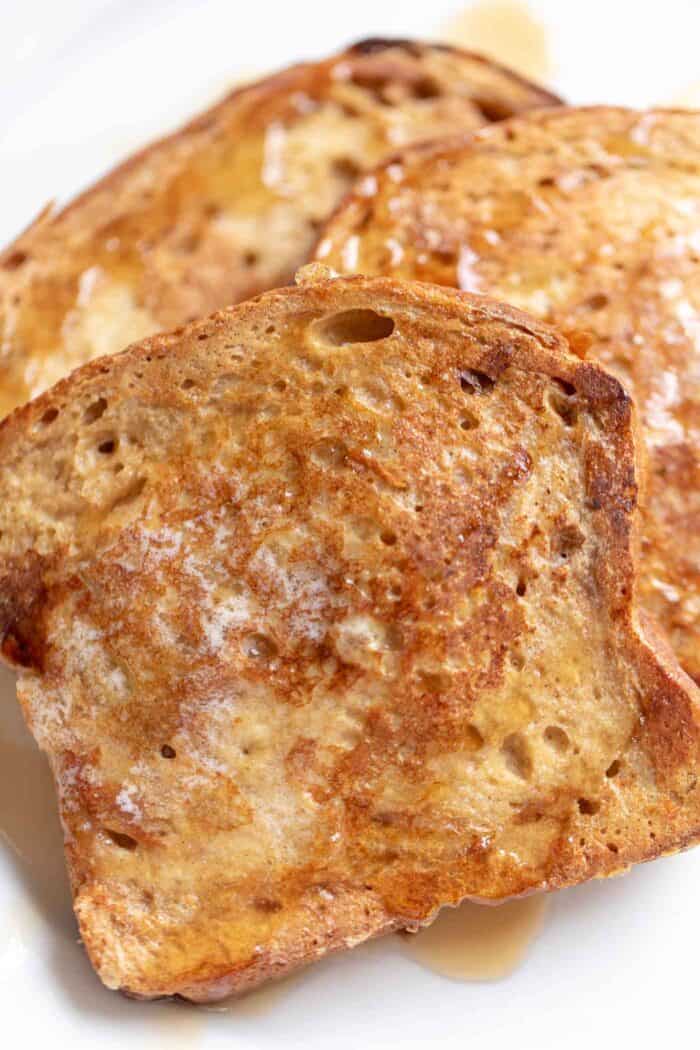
x=477 y=942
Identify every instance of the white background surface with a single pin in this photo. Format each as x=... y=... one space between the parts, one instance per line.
x=81 y=84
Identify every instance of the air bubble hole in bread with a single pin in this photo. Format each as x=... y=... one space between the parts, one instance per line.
x=589 y=219
x=229 y=205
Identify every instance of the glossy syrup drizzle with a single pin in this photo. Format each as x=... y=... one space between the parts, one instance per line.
x=476 y=942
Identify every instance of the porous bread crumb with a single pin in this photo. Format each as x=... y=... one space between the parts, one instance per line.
x=229 y=205
x=126 y=801
x=599 y=234
x=361 y=631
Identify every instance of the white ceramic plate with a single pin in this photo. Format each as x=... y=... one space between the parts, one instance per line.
x=81 y=84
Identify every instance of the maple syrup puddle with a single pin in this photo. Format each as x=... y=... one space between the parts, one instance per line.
x=506 y=31
x=478 y=942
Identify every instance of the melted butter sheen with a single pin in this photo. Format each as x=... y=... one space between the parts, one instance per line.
x=228 y=209
x=600 y=236
x=477 y=942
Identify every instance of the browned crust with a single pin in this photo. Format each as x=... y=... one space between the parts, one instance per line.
x=372 y=44
x=444 y=147
x=229 y=204
x=597 y=383
x=294 y=950
x=320 y=293
x=20 y=610
x=670 y=734
x=265 y=87
x=671 y=486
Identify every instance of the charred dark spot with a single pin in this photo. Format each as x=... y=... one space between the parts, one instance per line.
x=267 y=905
x=375 y=44
x=21 y=604
x=566 y=540
x=14 y=260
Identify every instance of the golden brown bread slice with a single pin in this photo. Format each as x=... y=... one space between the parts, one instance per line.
x=324 y=609
x=230 y=205
x=589 y=218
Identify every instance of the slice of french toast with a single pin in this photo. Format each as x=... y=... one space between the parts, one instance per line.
x=324 y=614
x=230 y=205
x=590 y=219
